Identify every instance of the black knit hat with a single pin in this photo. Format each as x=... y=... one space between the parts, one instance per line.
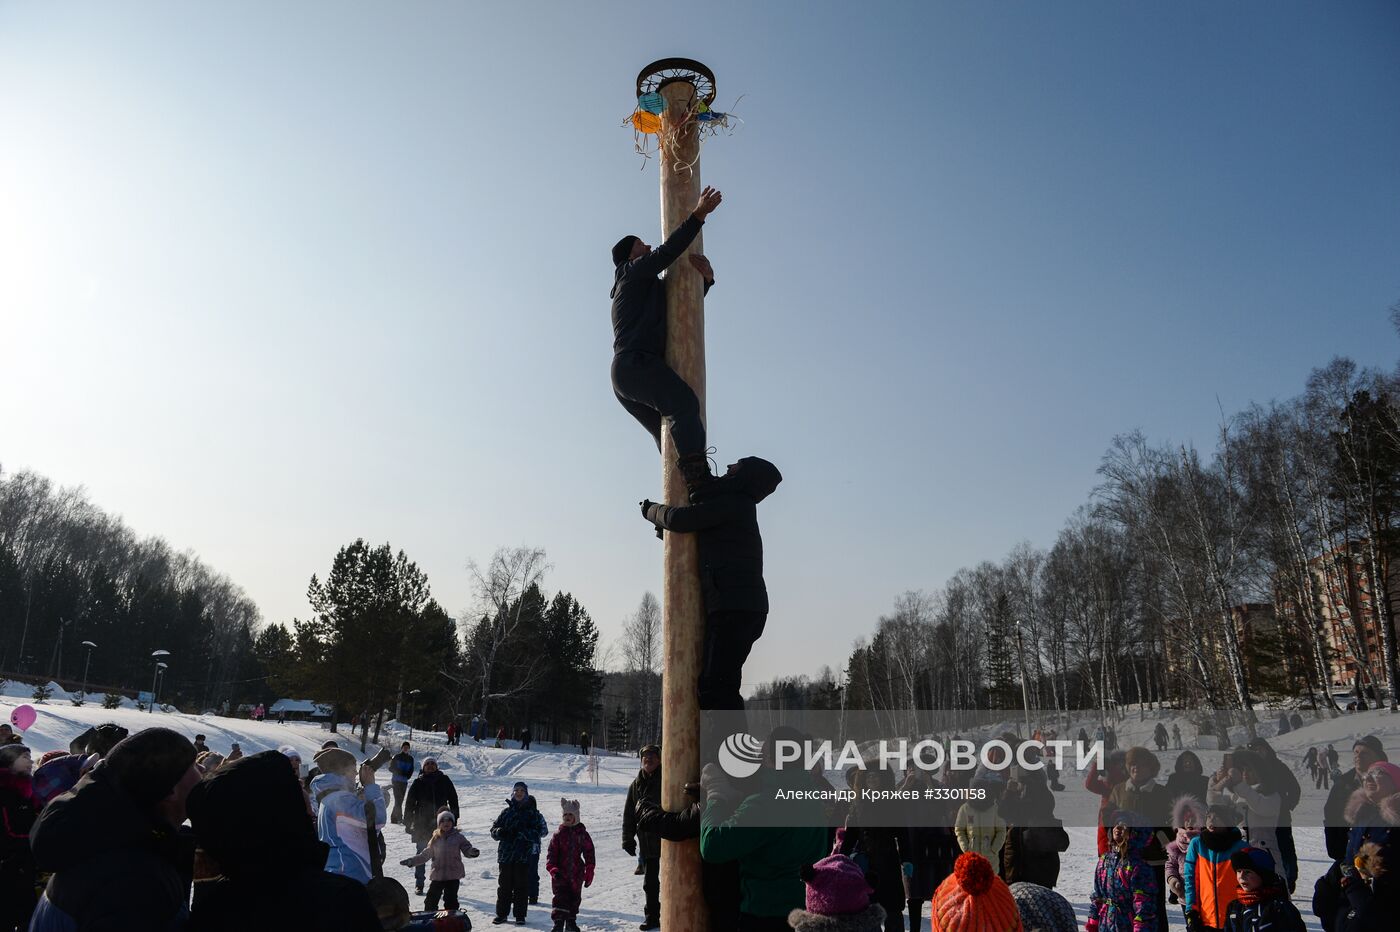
x=623 y=250
x=252 y=810
x=148 y=765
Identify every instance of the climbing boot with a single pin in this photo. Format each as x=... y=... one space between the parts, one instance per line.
x=695 y=470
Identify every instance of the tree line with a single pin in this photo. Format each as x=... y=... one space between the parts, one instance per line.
x=1211 y=578
x=70 y=573
x=377 y=644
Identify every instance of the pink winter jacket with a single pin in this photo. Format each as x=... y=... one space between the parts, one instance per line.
x=1176 y=853
x=446 y=853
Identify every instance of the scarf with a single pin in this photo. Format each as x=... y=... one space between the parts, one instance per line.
x=1262 y=895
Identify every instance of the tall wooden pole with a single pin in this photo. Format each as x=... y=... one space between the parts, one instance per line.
x=683 y=619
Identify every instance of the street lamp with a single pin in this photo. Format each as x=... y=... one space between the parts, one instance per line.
x=412 y=711
x=87 y=663
x=156 y=655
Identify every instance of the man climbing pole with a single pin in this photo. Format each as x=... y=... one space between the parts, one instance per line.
x=724 y=516
x=645 y=385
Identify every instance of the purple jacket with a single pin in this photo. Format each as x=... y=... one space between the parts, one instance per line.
x=1176 y=854
x=446 y=853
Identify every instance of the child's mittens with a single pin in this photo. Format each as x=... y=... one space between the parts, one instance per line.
x=406 y=862
x=588 y=875
x=1091 y=926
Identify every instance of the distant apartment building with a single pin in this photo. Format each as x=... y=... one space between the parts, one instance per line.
x=1255 y=623
x=1346 y=602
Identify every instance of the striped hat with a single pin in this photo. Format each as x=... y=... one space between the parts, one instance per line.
x=972 y=898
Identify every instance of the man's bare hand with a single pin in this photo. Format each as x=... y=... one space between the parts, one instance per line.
x=709 y=200
x=702 y=265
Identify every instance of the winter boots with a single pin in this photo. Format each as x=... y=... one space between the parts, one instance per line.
x=695 y=470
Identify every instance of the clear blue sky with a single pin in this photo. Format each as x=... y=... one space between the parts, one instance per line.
x=275 y=276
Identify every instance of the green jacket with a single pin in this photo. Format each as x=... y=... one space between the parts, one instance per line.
x=770 y=859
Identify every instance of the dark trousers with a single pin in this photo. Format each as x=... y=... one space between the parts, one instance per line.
x=568 y=894
x=651 y=886
x=894 y=914
x=729 y=636
x=1289 y=852
x=513 y=889
x=534 y=872
x=396 y=815
x=651 y=392
x=1160 y=872
x=446 y=889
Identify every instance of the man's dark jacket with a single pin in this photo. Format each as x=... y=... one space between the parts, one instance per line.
x=1334 y=813
x=426 y=797
x=724 y=515
x=115 y=867
x=639 y=296
x=646 y=788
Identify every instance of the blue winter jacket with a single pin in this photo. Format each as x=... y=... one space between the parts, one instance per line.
x=519 y=829
x=401 y=768
x=340 y=823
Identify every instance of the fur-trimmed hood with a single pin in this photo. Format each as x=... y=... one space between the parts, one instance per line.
x=1361 y=811
x=1188 y=805
x=871 y=919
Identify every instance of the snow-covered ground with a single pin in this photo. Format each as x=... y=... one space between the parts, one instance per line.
x=484 y=776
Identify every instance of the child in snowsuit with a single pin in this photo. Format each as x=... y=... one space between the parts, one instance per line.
x=1188 y=818
x=1125 y=887
x=518 y=828
x=1102 y=782
x=570 y=863
x=1207 y=877
x=445 y=849
x=646 y=386
x=724 y=515
x=1263 y=902
x=837 y=900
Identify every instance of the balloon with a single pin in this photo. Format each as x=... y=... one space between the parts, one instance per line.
x=23 y=716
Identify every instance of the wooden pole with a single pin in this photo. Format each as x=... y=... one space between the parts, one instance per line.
x=683 y=618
